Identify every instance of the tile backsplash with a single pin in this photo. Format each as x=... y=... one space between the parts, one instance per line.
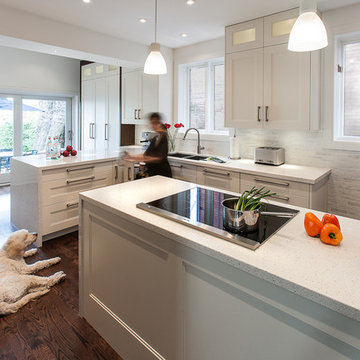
x=301 y=148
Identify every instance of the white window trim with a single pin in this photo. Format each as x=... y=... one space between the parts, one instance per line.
x=333 y=89
x=183 y=98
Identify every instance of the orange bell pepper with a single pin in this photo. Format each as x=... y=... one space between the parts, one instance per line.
x=312 y=224
x=331 y=219
x=331 y=234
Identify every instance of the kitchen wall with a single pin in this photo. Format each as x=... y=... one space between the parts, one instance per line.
x=23 y=71
x=301 y=147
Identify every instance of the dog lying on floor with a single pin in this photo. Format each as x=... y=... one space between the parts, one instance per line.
x=17 y=285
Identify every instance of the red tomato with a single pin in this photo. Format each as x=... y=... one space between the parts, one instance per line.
x=65 y=153
x=73 y=152
x=69 y=148
x=330 y=219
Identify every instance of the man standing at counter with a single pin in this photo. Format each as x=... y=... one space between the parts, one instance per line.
x=156 y=154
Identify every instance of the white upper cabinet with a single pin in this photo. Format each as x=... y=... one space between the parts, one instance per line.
x=277 y=27
x=140 y=96
x=244 y=89
x=100 y=101
x=286 y=88
x=267 y=85
x=245 y=36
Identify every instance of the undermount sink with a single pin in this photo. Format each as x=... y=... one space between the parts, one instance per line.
x=180 y=155
x=197 y=157
x=188 y=156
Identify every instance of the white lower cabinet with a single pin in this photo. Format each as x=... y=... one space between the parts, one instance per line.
x=46 y=201
x=183 y=171
x=287 y=192
x=221 y=179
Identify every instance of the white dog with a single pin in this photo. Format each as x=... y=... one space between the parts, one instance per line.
x=17 y=285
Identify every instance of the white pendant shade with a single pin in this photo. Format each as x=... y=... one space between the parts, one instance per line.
x=309 y=32
x=155 y=63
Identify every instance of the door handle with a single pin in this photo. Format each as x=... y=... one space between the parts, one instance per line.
x=90 y=130
x=139 y=111
x=266 y=113
x=106 y=131
x=116 y=172
x=177 y=166
x=129 y=173
x=205 y=171
x=87 y=179
x=279 y=183
x=135 y=117
x=258 y=113
x=79 y=169
x=70 y=205
x=285 y=198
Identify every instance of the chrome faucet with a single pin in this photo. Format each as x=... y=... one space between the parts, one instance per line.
x=199 y=147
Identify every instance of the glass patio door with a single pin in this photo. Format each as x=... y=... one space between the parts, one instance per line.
x=26 y=123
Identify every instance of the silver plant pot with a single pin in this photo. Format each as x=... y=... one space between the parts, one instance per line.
x=244 y=221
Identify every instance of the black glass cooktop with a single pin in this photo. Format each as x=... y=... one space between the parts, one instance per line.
x=202 y=209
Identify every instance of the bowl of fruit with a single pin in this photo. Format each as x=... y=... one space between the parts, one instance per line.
x=69 y=151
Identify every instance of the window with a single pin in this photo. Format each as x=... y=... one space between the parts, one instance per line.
x=27 y=122
x=201 y=95
x=347 y=86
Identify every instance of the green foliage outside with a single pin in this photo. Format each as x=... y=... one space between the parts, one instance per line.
x=6 y=136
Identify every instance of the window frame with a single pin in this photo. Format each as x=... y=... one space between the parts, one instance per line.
x=339 y=88
x=184 y=95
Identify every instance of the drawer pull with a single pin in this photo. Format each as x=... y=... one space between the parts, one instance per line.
x=280 y=183
x=79 y=169
x=177 y=166
x=285 y=198
x=79 y=180
x=215 y=173
x=71 y=205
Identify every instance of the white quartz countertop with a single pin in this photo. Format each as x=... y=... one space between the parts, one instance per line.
x=299 y=173
x=82 y=157
x=291 y=259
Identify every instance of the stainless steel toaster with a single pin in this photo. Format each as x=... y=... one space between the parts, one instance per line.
x=269 y=155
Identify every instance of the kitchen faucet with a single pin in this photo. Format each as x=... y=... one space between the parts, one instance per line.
x=199 y=147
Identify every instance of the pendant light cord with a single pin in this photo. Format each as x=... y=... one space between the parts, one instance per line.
x=155 y=19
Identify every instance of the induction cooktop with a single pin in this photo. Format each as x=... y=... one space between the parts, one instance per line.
x=201 y=209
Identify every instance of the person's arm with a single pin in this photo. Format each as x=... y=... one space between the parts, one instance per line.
x=143 y=158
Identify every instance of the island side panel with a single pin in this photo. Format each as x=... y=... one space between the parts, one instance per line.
x=129 y=287
x=221 y=311
x=24 y=187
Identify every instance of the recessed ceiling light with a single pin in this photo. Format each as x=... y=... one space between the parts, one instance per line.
x=184 y=35
x=190 y=2
x=142 y=20
x=87 y=1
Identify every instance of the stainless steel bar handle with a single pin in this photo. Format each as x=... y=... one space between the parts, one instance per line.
x=129 y=173
x=285 y=198
x=272 y=182
x=70 y=205
x=90 y=178
x=139 y=111
x=79 y=169
x=205 y=171
x=90 y=130
x=116 y=172
x=135 y=117
x=278 y=214
x=177 y=166
x=106 y=131
x=266 y=113
x=258 y=113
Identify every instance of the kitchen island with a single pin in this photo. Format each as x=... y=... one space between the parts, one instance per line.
x=44 y=193
x=157 y=289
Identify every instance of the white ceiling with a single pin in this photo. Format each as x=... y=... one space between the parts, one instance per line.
x=203 y=21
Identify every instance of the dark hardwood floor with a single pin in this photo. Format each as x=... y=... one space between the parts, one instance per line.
x=50 y=327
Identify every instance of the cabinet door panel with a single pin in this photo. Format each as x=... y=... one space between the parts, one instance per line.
x=100 y=113
x=277 y=27
x=150 y=98
x=112 y=133
x=183 y=171
x=88 y=114
x=220 y=179
x=245 y=36
x=286 y=88
x=244 y=89
x=131 y=83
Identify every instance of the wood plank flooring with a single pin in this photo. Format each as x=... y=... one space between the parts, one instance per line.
x=51 y=328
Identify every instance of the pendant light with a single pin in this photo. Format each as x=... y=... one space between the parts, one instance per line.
x=155 y=63
x=309 y=32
